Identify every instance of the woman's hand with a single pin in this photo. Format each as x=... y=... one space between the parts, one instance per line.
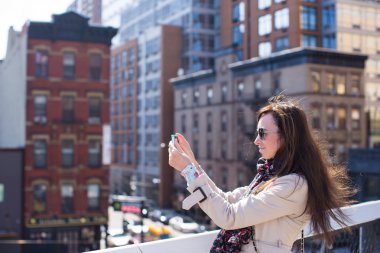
x=178 y=159
x=185 y=146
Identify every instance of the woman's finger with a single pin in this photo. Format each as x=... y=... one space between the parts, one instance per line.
x=178 y=146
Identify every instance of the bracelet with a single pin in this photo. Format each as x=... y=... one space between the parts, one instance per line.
x=190 y=173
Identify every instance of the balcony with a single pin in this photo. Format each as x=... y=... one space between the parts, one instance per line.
x=257 y=98
x=364 y=238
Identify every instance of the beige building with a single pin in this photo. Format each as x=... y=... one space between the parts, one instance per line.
x=353 y=26
x=215 y=110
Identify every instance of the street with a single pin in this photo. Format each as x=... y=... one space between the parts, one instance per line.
x=115 y=226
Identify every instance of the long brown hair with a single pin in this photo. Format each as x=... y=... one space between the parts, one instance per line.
x=301 y=152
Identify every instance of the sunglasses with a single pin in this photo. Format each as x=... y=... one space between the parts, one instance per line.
x=261 y=132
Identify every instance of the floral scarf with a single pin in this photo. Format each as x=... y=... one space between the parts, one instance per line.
x=231 y=241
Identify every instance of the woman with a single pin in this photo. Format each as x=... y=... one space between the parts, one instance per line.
x=294 y=185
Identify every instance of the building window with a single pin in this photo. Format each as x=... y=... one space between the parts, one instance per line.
x=209 y=149
x=40 y=154
x=329 y=41
x=224 y=122
x=224 y=92
x=124 y=57
x=68 y=109
x=281 y=19
x=40 y=109
x=94 y=153
x=330 y=117
x=263 y=4
x=209 y=122
x=340 y=84
x=183 y=98
x=195 y=122
x=240 y=179
x=183 y=123
x=209 y=95
x=223 y=150
x=238 y=12
x=240 y=89
x=309 y=41
x=331 y=83
x=309 y=18
x=224 y=179
x=265 y=49
x=95 y=66
x=276 y=84
x=342 y=118
x=240 y=119
x=196 y=148
x=39 y=198
x=68 y=65
x=258 y=86
x=282 y=43
x=196 y=97
x=265 y=24
x=237 y=35
x=328 y=16
x=93 y=196
x=41 y=61
x=355 y=118
x=2 y=193
x=315 y=81
x=316 y=117
x=94 y=110
x=67 y=151
x=67 y=194
x=355 y=84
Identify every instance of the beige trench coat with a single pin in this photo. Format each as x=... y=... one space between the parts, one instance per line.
x=277 y=212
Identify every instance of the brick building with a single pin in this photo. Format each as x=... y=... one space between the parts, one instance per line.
x=65 y=108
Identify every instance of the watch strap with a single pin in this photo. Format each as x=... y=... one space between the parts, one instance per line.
x=199 y=195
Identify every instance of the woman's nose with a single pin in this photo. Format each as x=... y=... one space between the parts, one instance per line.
x=257 y=140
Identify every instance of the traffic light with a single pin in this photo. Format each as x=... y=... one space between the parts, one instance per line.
x=116 y=205
x=144 y=211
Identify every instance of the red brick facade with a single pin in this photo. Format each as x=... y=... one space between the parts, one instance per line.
x=67 y=106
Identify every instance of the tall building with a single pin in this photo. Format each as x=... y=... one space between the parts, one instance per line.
x=88 y=8
x=58 y=110
x=256 y=29
x=216 y=110
x=259 y=28
x=195 y=18
x=112 y=10
x=141 y=105
x=172 y=37
x=353 y=26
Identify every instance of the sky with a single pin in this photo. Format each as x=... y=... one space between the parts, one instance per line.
x=16 y=12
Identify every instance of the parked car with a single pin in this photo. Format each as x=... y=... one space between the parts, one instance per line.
x=134 y=226
x=162 y=215
x=184 y=224
x=118 y=238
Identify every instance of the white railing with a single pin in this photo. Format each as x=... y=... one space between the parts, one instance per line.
x=359 y=214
